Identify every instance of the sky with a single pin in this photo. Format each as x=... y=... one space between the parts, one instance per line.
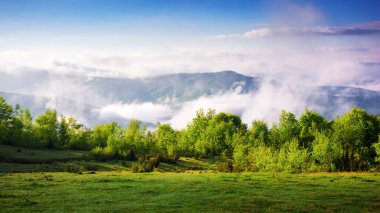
x=313 y=42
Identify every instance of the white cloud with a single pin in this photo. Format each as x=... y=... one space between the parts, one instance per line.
x=258 y=33
x=360 y=29
x=146 y=112
x=304 y=53
x=266 y=103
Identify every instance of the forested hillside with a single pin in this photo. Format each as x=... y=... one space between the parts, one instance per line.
x=350 y=142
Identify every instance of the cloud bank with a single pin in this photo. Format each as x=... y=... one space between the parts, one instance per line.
x=294 y=49
x=360 y=29
x=147 y=112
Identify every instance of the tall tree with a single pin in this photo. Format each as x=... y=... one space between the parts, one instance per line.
x=78 y=135
x=166 y=139
x=47 y=128
x=310 y=122
x=326 y=151
x=259 y=133
x=195 y=136
x=135 y=137
x=356 y=131
x=286 y=130
x=63 y=132
x=100 y=134
x=6 y=114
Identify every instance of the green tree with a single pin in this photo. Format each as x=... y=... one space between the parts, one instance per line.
x=240 y=157
x=47 y=128
x=217 y=137
x=138 y=140
x=6 y=115
x=117 y=147
x=292 y=158
x=185 y=148
x=286 y=130
x=259 y=133
x=288 y=126
x=100 y=134
x=78 y=135
x=6 y=110
x=15 y=133
x=166 y=139
x=262 y=158
x=310 y=122
x=356 y=131
x=376 y=146
x=195 y=134
x=28 y=137
x=63 y=135
x=326 y=151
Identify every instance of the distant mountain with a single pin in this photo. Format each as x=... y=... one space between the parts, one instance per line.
x=185 y=87
x=173 y=89
x=333 y=98
x=38 y=104
x=179 y=87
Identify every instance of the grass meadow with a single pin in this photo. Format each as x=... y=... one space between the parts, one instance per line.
x=189 y=186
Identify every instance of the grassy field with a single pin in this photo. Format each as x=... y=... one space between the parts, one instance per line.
x=16 y=159
x=13 y=152
x=191 y=186
x=189 y=192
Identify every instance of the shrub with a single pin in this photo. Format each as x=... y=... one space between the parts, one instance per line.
x=326 y=152
x=262 y=158
x=225 y=166
x=240 y=158
x=297 y=159
x=107 y=153
x=143 y=166
x=96 y=154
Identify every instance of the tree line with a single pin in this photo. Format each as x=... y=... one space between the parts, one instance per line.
x=350 y=142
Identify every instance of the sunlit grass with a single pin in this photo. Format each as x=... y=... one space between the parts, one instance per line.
x=190 y=185
x=36 y=154
x=190 y=192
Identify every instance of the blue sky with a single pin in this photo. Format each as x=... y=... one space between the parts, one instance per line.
x=85 y=10
x=199 y=17
x=141 y=37
x=294 y=42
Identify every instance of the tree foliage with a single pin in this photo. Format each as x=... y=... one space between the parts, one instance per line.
x=350 y=142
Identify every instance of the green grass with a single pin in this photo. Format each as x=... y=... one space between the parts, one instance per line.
x=190 y=192
x=39 y=154
x=17 y=159
x=186 y=164
x=193 y=185
x=62 y=167
x=182 y=165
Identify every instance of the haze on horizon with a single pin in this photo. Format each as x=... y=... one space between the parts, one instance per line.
x=309 y=43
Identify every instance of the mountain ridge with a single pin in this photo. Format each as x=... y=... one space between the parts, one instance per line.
x=179 y=88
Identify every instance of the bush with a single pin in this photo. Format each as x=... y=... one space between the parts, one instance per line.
x=107 y=153
x=262 y=158
x=297 y=159
x=143 y=166
x=96 y=154
x=326 y=152
x=225 y=166
x=155 y=161
x=240 y=158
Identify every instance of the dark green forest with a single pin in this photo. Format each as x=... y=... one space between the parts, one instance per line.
x=350 y=142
